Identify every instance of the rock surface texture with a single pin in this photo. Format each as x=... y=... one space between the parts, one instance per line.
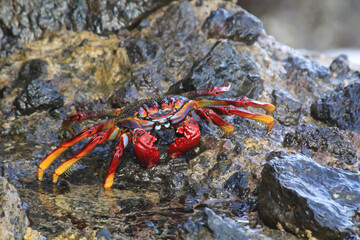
x=13 y=220
x=62 y=57
x=306 y=197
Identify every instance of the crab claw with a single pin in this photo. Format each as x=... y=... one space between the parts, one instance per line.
x=190 y=130
x=145 y=152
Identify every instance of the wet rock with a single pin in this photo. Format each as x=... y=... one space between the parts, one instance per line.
x=188 y=200
x=103 y=234
x=240 y=209
x=227 y=228
x=237 y=183
x=340 y=65
x=39 y=95
x=24 y=21
x=223 y=64
x=223 y=229
x=13 y=220
x=305 y=197
x=191 y=227
x=288 y=108
x=341 y=108
x=30 y=70
x=135 y=204
x=322 y=139
x=235 y=25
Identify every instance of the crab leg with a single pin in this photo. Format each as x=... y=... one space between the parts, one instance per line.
x=118 y=151
x=231 y=110
x=86 y=132
x=109 y=134
x=214 y=91
x=237 y=102
x=209 y=114
x=70 y=120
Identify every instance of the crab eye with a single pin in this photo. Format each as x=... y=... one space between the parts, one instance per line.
x=142 y=112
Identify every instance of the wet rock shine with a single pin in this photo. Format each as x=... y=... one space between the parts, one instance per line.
x=308 y=198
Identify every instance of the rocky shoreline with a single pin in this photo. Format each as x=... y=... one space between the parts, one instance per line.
x=60 y=57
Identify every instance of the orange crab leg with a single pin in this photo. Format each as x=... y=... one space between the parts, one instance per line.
x=236 y=102
x=86 y=132
x=109 y=134
x=231 y=110
x=118 y=151
x=70 y=120
x=209 y=114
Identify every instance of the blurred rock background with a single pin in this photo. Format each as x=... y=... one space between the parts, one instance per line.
x=329 y=26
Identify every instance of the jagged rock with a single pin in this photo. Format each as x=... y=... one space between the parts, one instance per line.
x=237 y=183
x=235 y=25
x=304 y=76
x=39 y=95
x=223 y=64
x=341 y=108
x=288 y=108
x=305 y=197
x=177 y=24
x=13 y=220
x=322 y=139
x=24 y=21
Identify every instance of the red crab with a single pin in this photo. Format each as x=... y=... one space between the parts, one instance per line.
x=137 y=121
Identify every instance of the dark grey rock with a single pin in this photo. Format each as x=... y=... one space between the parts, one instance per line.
x=340 y=65
x=340 y=108
x=306 y=66
x=239 y=26
x=242 y=208
x=177 y=24
x=30 y=70
x=124 y=96
x=23 y=21
x=288 y=108
x=13 y=220
x=228 y=229
x=224 y=229
x=237 y=183
x=303 y=196
x=141 y=50
x=223 y=64
x=322 y=139
x=39 y=95
x=305 y=76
